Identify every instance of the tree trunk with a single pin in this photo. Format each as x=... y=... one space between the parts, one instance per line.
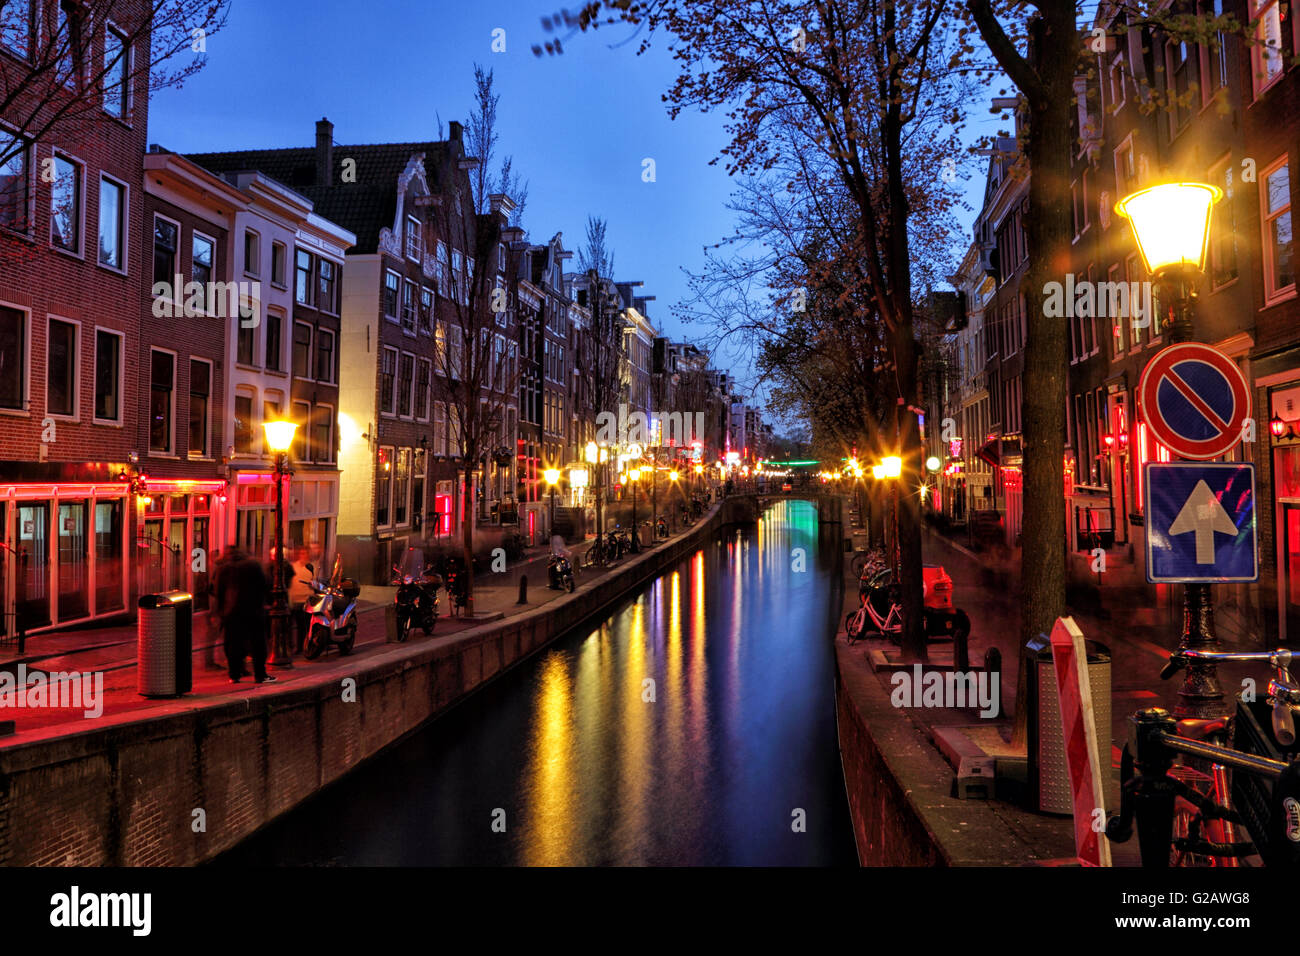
x=1053 y=54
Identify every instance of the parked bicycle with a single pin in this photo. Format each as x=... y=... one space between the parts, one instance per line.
x=1226 y=804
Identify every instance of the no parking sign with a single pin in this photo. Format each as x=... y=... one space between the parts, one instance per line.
x=1194 y=399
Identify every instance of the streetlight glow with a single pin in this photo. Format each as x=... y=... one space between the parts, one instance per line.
x=552 y=475
x=279 y=434
x=891 y=467
x=1171 y=223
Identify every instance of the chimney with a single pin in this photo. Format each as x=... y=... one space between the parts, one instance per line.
x=455 y=131
x=324 y=152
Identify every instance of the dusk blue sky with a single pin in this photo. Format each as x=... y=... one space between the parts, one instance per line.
x=578 y=125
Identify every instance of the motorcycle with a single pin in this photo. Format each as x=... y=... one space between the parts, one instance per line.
x=457 y=583
x=417 y=594
x=332 y=611
x=559 y=570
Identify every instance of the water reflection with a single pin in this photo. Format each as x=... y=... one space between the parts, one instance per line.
x=684 y=729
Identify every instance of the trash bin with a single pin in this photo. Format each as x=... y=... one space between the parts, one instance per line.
x=1049 y=775
x=164 y=644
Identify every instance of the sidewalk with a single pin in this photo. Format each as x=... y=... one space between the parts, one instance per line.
x=112 y=651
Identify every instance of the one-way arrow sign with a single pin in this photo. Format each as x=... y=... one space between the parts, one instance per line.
x=1200 y=522
x=1203 y=515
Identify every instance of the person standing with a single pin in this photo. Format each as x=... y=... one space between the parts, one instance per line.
x=242 y=593
x=299 y=591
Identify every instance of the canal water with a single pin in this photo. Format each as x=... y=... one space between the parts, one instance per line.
x=694 y=726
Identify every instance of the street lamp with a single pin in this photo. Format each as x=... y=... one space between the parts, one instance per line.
x=552 y=475
x=279 y=438
x=1171 y=225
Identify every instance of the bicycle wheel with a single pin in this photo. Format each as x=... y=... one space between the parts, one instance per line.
x=859 y=564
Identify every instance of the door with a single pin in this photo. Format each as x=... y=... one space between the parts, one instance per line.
x=32 y=592
x=74 y=560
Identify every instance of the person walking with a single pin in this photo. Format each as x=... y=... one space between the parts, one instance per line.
x=242 y=593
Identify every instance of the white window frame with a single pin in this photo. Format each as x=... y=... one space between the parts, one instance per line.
x=391 y=412
x=30 y=150
x=397 y=382
x=332 y=451
x=25 y=400
x=206 y=453
x=127 y=62
x=80 y=166
x=121 y=377
x=123 y=221
x=254 y=419
x=170 y=450
x=440 y=429
x=1257 y=10
x=336 y=288
x=177 y=298
x=385 y=476
x=75 y=414
x=428 y=390
x=412 y=239
x=284 y=319
x=396 y=316
x=284 y=264
x=1272 y=295
x=253 y=268
x=33 y=35
x=196 y=234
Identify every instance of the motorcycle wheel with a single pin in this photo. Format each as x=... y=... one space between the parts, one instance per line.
x=403 y=628
x=570 y=584
x=316 y=642
x=345 y=645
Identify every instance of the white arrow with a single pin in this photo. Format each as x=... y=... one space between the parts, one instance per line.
x=1204 y=514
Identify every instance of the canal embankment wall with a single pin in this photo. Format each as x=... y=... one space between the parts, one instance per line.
x=181 y=787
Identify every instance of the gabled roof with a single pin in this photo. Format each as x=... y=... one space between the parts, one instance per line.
x=362 y=207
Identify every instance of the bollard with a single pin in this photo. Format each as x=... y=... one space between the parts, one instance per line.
x=523 y=589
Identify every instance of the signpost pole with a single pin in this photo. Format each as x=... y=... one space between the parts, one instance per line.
x=1200 y=696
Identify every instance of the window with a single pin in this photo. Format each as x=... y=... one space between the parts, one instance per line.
x=13 y=358
x=301 y=350
x=302 y=277
x=401 y=485
x=15 y=182
x=1133 y=273
x=302 y=436
x=1117 y=322
x=277 y=264
x=408 y=306
x=383 y=486
x=162 y=378
x=325 y=281
x=1182 y=80
x=418 y=472
x=457 y=276
x=1279 y=270
x=65 y=205
x=252 y=253
x=243 y=438
x=322 y=433
x=413 y=245
x=18 y=27
x=405 y=382
x=108 y=376
x=274 y=346
x=112 y=224
x=422 y=380
x=324 y=356
x=440 y=428
x=440 y=269
x=1214 y=55
x=1117 y=81
x=200 y=390
x=1266 y=53
x=61 y=369
x=1125 y=172
x=392 y=281
x=164 y=251
x=1223 y=235
x=117 y=61
x=202 y=258
x=426 y=310
x=245 y=335
x=387 y=377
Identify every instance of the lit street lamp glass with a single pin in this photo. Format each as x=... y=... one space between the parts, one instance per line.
x=1171 y=223
x=591 y=453
x=877 y=471
x=672 y=476
x=633 y=474
x=892 y=466
x=932 y=463
x=279 y=434
x=552 y=475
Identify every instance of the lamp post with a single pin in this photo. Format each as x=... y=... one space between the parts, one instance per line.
x=552 y=475
x=279 y=438
x=1171 y=225
x=672 y=484
x=632 y=475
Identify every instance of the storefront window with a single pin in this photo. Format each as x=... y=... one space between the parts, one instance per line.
x=74 y=561
x=32 y=584
x=108 y=556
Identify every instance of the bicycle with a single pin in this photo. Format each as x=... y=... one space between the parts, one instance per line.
x=1190 y=817
x=867 y=562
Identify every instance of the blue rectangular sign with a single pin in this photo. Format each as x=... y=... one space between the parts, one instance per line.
x=1200 y=521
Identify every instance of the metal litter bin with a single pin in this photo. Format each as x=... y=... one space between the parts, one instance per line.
x=164 y=644
x=1049 y=775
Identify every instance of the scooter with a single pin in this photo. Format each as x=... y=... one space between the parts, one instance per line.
x=332 y=610
x=559 y=571
x=417 y=595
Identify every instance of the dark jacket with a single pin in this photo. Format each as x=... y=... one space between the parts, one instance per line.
x=242 y=591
